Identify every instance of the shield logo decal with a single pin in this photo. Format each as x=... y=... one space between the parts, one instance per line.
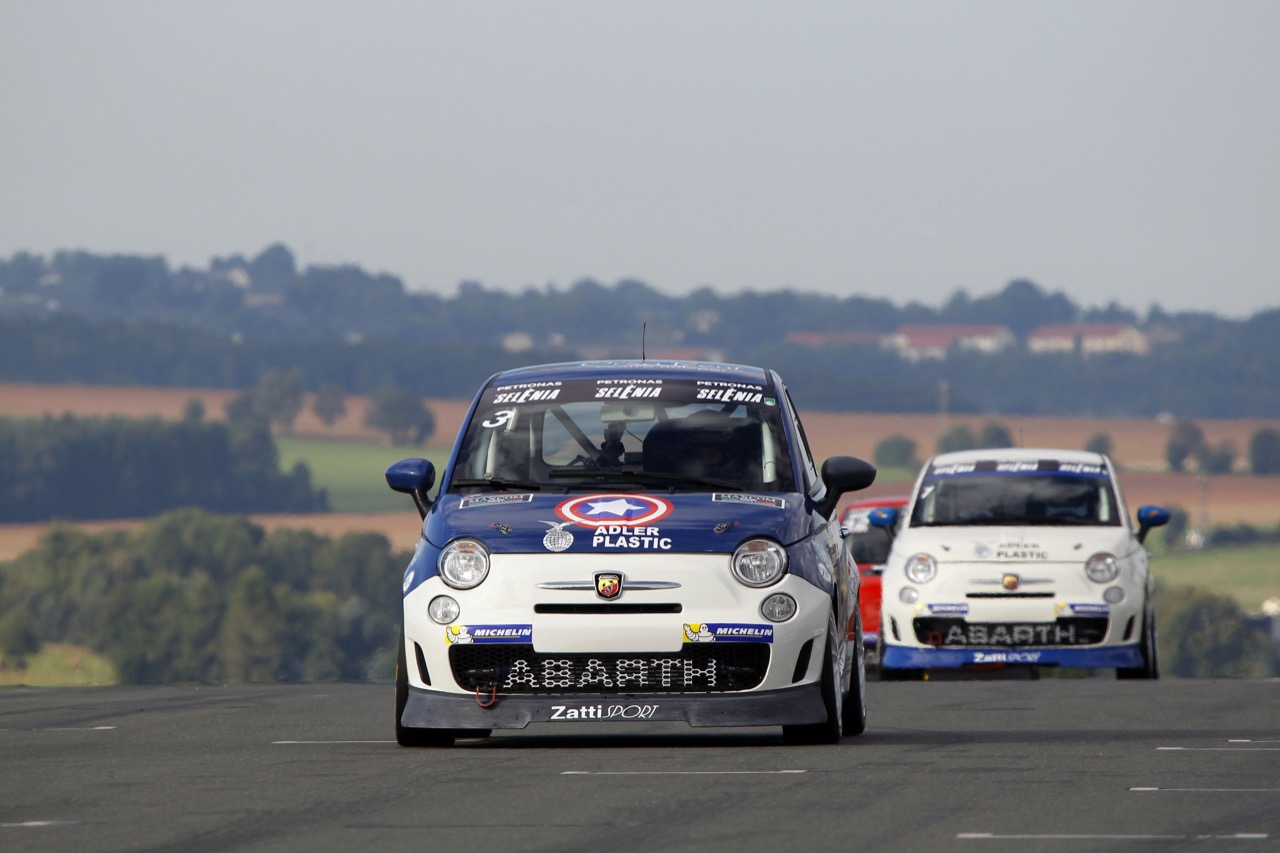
x=608 y=585
x=1009 y=581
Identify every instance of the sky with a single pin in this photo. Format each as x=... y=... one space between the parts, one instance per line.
x=1112 y=151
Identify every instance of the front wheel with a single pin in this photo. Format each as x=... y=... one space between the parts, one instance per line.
x=855 y=704
x=407 y=735
x=833 y=696
x=1150 y=669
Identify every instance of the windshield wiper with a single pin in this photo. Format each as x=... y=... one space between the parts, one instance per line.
x=644 y=477
x=500 y=483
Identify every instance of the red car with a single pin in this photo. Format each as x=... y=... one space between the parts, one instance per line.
x=870 y=549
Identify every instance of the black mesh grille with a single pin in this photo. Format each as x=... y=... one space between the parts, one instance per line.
x=697 y=668
x=958 y=632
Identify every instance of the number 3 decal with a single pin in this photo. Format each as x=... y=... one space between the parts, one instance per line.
x=501 y=418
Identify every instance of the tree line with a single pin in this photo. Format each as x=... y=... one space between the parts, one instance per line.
x=193 y=596
x=197 y=597
x=77 y=317
x=88 y=468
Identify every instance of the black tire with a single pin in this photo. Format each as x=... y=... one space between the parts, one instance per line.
x=855 y=703
x=832 y=729
x=405 y=735
x=1150 y=669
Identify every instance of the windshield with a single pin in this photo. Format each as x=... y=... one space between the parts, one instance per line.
x=654 y=434
x=1036 y=492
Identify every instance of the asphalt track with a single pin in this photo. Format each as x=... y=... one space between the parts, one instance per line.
x=1058 y=765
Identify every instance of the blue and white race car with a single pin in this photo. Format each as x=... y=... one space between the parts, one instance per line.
x=1017 y=557
x=630 y=541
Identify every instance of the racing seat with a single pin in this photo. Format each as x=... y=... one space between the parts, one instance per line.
x=705 y=444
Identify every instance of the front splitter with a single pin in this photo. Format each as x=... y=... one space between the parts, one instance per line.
x=791 y=706
x=905 y=657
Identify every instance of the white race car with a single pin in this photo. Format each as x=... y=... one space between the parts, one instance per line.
x=630 y=541
x=1018 y=557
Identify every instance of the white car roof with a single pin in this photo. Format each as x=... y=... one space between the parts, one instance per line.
x=1015 y=454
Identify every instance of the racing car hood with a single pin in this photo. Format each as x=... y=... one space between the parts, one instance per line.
x=1015 y=544
x=615 y=521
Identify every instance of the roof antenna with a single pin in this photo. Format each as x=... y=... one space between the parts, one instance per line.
x=644 y=327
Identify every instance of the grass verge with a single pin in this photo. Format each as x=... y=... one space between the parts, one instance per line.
x=352 y=471
x=1247 y=573
x=61 y=665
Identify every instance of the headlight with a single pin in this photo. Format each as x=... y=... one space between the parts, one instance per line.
x=464 y=563
x=1102 y=568
x=778 y=607
x=908 y=595
x=921 y=568
x=443 y=610
x=759 y=562
x=1113 y=595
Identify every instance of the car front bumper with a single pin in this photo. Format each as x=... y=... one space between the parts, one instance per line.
x=432 y=709
x=1100 y=657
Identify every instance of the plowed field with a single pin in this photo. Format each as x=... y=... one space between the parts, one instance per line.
x=1138 y=447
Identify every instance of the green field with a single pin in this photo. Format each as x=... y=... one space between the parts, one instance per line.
x=1248 y=573
x=61 y=665
x=352 y=471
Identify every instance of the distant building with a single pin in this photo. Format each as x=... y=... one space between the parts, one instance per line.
x=818 y=340
x=923 y=342
x=1089 y=339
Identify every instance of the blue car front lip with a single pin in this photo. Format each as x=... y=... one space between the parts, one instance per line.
x=1105 y=657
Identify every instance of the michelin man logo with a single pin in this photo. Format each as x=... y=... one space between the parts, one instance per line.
x=699 y=632
x=458 y=635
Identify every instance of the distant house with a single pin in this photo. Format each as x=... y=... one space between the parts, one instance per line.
x=922 y=342
x=818 y=340
x=1089 y=339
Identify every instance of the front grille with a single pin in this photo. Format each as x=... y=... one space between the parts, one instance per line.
x=609 y=609
x=696 y=668
x=948 y=632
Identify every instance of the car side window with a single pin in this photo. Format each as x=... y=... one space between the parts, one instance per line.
x=806 y=457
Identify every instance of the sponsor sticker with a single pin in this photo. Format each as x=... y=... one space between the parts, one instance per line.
x=461 y=635
x=492 y=500
x=1006 y=657
x=1091 y=609
x=630 y=538
x=615 y=510
x=727 y=632
x=527 y=392
x=602 y=712
x=1021 y=551
x=753 y=500
x=557 y=538
x=950 y=609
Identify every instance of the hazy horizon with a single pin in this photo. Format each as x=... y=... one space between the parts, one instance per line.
x=1109 y=152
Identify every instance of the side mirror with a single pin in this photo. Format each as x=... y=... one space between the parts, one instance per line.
x=1149 y=517
x=414 y=477
x=843 y=474
x=885 y=516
